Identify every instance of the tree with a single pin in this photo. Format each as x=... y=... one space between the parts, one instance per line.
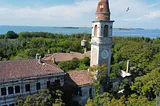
x=147 y=85
x=43 y=98
x=11 y=35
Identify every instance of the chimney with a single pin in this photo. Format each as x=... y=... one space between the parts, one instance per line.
x=37 y=56
x=128 y=65
x=53 y=59
x=40 y=60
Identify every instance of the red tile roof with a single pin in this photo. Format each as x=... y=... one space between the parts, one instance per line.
x=80 y=77
x=103 y=11
x=66 y=56
x=26 y=68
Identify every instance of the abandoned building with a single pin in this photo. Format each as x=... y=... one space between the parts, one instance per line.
x=20 y=78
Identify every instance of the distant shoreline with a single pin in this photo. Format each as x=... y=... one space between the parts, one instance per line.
x=151 y=33
x=72 y=27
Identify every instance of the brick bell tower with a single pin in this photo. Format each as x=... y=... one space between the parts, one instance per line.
x=101 y=42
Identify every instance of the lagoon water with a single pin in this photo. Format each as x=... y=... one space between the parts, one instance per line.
x=69 y=30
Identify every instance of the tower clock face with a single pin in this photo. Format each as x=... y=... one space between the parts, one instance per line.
x=105 y=54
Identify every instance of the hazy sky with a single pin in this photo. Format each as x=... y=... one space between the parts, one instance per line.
x=142 y=13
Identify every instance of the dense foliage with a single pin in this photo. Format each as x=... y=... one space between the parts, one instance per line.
x=140 y=89
x=75 y=64
x=27 y=44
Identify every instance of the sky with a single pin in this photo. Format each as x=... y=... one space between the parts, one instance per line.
x=79 y=13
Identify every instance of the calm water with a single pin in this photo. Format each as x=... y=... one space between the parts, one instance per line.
x=116 y=32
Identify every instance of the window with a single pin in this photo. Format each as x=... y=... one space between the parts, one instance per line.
x=3 y=91
x=38 y=86
x=57 y=81
x=80 y=91
x=90 y=92
x=17 y=89
x=101 y=8
x=106 y=31
x=10 y=90
x=11 y=104
x=27 y=87
x=48 y=84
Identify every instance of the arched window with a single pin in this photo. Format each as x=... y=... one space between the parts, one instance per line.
x=101 y=8
x=95 y=30
x=106 y=31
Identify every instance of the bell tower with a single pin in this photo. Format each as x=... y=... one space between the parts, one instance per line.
x=101 y=42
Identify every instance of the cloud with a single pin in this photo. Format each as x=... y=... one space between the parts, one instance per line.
x=48 y=15
x=81 y=13
x=140 y=13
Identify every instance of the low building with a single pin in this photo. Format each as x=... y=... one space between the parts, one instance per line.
x=57 y=57
x=21 y=78
x=85 y=88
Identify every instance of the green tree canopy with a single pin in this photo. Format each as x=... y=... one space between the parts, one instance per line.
x=11 y=35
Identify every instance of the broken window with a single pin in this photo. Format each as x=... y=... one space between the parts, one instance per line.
x=38 y=86
x=10 y=90
x=48 y=84
x=27 y=87
x=11 y=104
x=3 y=91
x=80 y=91
x=17 y=89
x=90 y=92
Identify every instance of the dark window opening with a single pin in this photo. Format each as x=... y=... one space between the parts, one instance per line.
x=38 y=86
x=106 y=31
x=76 y=92
x=4 y=105
x=17 y=89
x=80 y=91
x=3 y=91
x=27 y=87
x=10 y=90
x=57 y=81
x=48 y=84
x=90 y=92
x=11 y=104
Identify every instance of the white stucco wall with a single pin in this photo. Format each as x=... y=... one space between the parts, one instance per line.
x=9 y=99
x=82 y=100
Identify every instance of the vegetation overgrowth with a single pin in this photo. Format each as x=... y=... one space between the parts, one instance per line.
x=141 y=89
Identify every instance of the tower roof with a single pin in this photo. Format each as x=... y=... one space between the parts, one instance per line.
x=103 y=11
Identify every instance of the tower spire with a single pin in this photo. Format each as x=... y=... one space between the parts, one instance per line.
x=103 y=11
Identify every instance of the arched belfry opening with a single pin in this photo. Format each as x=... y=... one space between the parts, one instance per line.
x=95 y=30
x=106 y=31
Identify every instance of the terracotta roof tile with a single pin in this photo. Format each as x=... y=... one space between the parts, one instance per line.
x=66 y=56
x=80 y=77
x=26 y=68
